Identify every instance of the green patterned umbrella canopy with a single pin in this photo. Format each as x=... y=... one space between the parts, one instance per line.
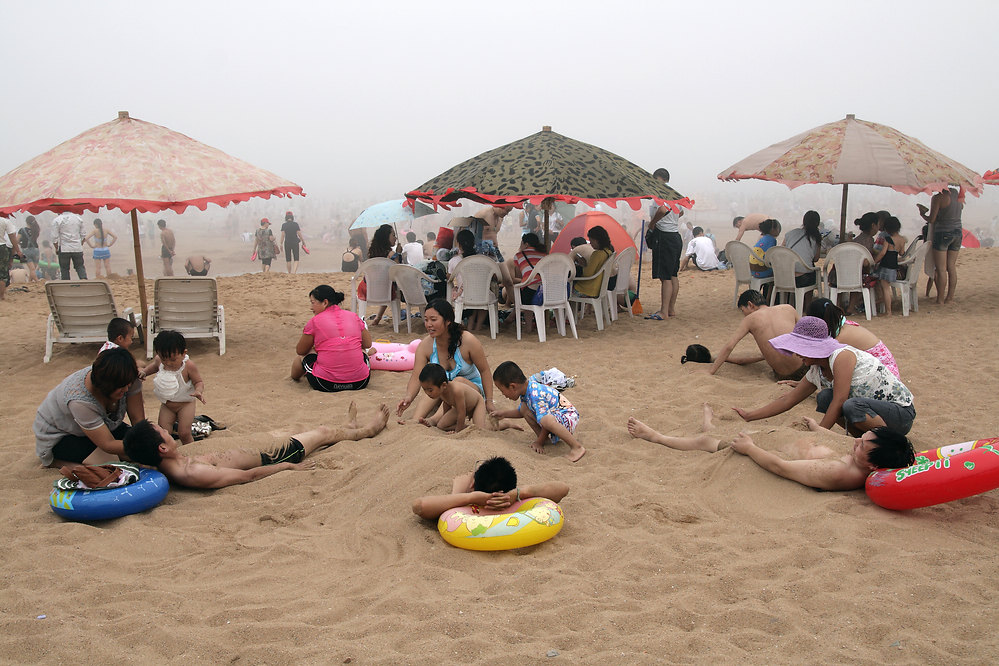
x=547 y=165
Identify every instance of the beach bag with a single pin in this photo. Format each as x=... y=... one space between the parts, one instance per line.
x=555 y=378
x=539 y=296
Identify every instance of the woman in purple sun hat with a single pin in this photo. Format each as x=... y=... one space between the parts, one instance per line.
x=856 y=390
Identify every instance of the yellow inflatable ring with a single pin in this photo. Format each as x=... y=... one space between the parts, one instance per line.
x=523 y=523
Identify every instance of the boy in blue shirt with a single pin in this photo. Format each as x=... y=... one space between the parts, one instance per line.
x=548 y=412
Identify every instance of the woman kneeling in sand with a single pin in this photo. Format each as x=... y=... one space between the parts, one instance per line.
x=811 y=463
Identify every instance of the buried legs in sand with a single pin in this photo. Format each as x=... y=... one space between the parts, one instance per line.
x=702 y=442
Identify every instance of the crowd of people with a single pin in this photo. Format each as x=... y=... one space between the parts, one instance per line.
x=855 y=377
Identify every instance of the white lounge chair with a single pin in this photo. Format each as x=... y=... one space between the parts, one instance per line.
x=188 y=305
x=737 y=254
x=410 y=283
x=79 y=312
x=623 y=262
x=784 y=262
x=476 y=274
x=601 y=303
x=848 y=259
x=375 y=273
x=555 y=271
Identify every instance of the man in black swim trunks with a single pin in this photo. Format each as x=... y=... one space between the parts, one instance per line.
x=149 y=444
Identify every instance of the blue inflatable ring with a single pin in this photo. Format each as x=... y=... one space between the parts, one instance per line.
x=145 y=493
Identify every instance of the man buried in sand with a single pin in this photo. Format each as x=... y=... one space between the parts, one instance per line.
x=149 y=444
x=493 y=485
x=764 y=322
x=549 y=413
x=461 y=399
x=811 y=463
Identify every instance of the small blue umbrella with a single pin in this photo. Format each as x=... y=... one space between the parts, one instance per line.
x=390 y=212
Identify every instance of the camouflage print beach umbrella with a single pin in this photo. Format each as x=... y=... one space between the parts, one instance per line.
x=547 y=166
x=133 y=165
x=855 y=152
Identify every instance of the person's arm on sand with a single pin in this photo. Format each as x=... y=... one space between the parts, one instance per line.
x=422 y=356
x=824 y=474
x=723 y=355
x=198 y=475
x=780 y=405
x=842 y=375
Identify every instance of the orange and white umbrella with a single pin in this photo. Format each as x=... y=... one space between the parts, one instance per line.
x=134 y=165
x=856 y=152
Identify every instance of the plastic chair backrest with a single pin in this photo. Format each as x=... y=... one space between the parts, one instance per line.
x=737 y=254
x=186 y=304
x=848 y=260
x=555 y=271
x=916 y=264
x=783 y=261
x=81 y=308
x=623 y=262
x=376 y=275
x=476 y=274
x=410 y=281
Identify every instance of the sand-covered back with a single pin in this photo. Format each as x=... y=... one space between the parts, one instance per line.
x=666 y=556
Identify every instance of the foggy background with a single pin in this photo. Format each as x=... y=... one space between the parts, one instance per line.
x=362 y=102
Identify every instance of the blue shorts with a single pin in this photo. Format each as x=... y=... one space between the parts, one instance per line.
x=102 y=253
x=948 y=240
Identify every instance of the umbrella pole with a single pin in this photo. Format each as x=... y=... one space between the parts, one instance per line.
x=138 y=272
x=548 y=232
x=641 y=256
x=842 y=215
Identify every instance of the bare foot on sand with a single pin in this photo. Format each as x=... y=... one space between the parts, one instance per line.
x=504 y=424
x=639 y=430
x=376 y=424
x=352 y=415
x=812 y=424
x=575 y=454
x=706 y=424
x=537 y=448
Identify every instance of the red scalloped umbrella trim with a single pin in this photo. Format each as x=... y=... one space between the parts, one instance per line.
x=142 y=206
x=991 y=177
x=450 y=198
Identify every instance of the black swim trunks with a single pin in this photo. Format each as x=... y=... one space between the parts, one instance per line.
x=292 y=452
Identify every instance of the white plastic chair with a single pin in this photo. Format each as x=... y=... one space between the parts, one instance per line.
x=623 y=262
x=189 y=305
x=555 y=271
x=908 y=288
x=476 y=274
x=410 y=283
x=601 y=303
x=737 y=255
x=379 y=286
x=784 y=262
x=79 y=312
x=848 y=260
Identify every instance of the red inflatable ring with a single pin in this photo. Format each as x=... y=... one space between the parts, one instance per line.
x=940 y=475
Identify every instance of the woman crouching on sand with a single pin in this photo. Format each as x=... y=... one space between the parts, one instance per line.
x=856 y=390
x=851 y=333
x=458 y=351
x=82 y=420
x=340 y=340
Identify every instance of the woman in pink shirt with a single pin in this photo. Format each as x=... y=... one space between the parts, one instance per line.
x=340 y=340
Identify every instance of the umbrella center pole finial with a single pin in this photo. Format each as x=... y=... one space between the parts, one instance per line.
x=851 y=116
x=546 y=128
x=123 y=115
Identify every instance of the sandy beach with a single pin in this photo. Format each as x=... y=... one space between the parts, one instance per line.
x=666 y=556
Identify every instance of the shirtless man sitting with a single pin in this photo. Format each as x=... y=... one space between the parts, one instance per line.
x=764 y=322
x=811 y=464
x=149 y=444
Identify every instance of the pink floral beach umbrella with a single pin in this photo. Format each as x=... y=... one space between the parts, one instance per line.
x=134 y=165
x=855 y=152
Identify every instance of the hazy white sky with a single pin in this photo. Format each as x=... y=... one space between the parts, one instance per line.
x=364 y=101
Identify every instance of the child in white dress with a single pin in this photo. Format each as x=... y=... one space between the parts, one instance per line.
x=177 y=383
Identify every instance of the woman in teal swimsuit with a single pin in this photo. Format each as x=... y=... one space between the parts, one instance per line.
x=456 y=350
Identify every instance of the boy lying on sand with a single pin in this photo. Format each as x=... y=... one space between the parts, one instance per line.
x=492 y=485
x=811 y=464
x=149 y=444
